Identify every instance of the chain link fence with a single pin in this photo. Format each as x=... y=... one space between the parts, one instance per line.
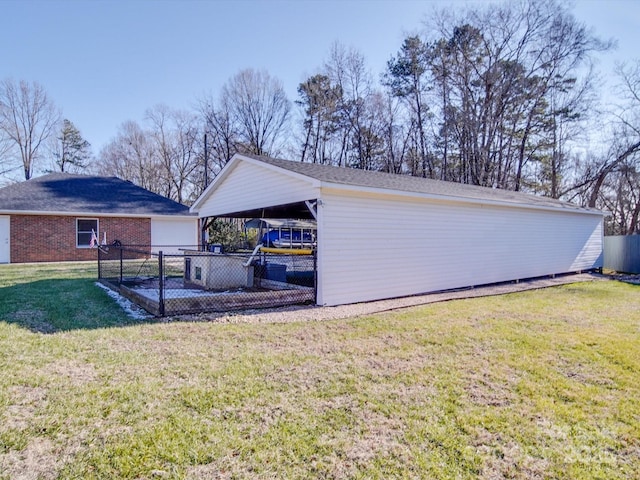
x=195 y=281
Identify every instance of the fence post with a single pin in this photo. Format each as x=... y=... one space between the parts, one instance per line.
x=121 y=249
x=315 y=276
x=99 y=265
x=161 y=284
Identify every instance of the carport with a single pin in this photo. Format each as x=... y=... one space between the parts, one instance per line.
x=383 y=235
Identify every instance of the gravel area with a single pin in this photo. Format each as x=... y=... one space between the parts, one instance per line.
x=626 y=277
x=316 y=313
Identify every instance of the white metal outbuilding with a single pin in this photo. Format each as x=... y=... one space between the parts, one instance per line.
x=382 y=235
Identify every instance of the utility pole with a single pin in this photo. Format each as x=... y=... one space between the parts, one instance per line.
x=206 y=162
x=203 y=224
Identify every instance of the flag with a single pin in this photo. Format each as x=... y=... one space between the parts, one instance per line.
x=94 y=239
x=104 y=238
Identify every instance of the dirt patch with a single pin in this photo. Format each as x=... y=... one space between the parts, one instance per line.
x=382 y=438
x=212 y=471
x=17 y=417
x=74 y=372
x=486 y=391
x=38 y=461
x=506 y=459
x=487 y=385
x=584 y=373
x=23 y=405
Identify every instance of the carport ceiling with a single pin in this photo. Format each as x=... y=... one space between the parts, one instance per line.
x=297 y=210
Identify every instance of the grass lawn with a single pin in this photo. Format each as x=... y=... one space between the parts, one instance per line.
x=540 y=384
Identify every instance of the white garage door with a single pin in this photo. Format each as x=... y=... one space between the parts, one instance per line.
x=4 y=239
x=170 y=235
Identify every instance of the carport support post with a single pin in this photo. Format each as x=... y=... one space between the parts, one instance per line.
x=160 y=285
x=315 y=276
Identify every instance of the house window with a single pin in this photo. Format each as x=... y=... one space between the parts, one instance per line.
x=85 y=227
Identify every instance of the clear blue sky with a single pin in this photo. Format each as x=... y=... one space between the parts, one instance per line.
x=105 y=62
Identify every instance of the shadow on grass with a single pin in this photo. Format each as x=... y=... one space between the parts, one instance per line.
x=57 y=305
x=633 y=282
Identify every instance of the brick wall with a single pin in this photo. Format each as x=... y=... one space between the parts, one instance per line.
x=50 y=238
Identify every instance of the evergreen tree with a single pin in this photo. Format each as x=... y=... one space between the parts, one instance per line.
x=71 y=152
x=407 y=77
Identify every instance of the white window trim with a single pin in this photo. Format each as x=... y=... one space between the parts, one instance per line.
x=97 y=220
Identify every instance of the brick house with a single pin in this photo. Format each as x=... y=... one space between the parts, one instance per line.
x=54 y=217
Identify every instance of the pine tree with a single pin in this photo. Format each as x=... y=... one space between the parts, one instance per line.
x=72 y=152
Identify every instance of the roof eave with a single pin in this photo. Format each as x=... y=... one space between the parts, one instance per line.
x=269 y=166
x=459 y=199
x=224 y=173
x=96 y=214
x=228 y=168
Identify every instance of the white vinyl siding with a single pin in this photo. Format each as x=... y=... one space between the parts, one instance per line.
x=5 y=246
x=374 y=247
x=382 y=243
x=250 y=186
x=171 y=234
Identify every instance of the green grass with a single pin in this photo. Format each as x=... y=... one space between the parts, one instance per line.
x=540 y=384
x=52 y=297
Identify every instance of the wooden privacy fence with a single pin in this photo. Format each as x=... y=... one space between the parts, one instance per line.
x=622 y=253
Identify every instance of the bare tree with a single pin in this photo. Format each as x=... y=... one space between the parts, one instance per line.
x=27 y=119
x=175 y=138
x=223 y=138
x=397 y=135
x=259 y=108
x=163 y=156
x=5 y=163
x=620 y=195
x=625 y=141
x=347 y=122
x=131 y=156
x=346 y=69
x=508 y=91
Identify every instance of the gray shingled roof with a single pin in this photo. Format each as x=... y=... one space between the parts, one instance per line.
x=407 y=183
x=67 y=193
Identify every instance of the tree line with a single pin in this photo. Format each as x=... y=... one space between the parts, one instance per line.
x=497 y=95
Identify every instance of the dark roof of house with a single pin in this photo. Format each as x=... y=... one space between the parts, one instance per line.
x=407 y=183
x=68 y=193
